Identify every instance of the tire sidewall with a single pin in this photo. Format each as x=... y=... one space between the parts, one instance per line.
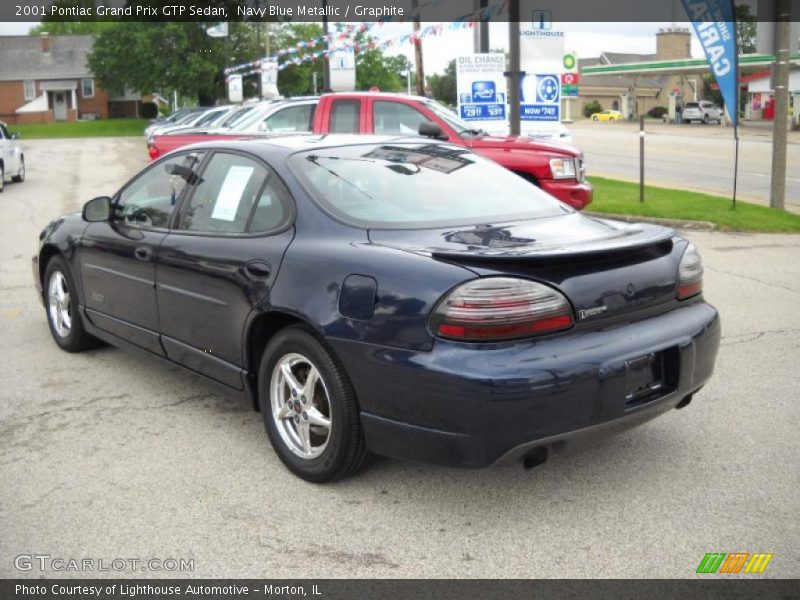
x=328 y=465
x=2 y=179
x=72 y=340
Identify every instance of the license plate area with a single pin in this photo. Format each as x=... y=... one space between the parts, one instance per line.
x=650 y=377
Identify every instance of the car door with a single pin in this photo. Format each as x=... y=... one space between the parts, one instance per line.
x=6 y=152
x=118 y=257
x=220 y=261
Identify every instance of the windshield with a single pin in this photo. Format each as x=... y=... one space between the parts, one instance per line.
x=407 y=186
x=235 y=116
x=461 y=127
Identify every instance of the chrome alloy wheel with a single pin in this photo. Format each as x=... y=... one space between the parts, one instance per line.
x=301 y=406
x=59 y=305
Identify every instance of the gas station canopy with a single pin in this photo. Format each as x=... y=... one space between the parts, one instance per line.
x=747 y=63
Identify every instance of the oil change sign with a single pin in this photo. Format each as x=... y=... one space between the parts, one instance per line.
x=481 y=87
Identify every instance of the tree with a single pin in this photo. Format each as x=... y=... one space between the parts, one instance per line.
x=298 y=80
x=373 y=69
x=745 y=30
x=152 y=56
x=443 y=86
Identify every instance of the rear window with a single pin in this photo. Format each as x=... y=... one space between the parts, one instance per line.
x=692 y=105
x=417 y=185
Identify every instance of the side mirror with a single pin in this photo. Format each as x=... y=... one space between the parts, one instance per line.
x=15 y=135
x=97 y=210
x=431 y=130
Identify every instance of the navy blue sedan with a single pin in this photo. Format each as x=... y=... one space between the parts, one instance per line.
x=397 y=296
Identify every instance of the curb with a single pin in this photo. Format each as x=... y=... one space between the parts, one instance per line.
x=675 y=223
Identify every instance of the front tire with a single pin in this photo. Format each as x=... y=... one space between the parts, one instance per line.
x=2 y=178
x=309 y=408
x=20 y=176
x=61 y=303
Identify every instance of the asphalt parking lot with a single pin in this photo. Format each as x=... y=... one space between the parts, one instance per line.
x=106 y=456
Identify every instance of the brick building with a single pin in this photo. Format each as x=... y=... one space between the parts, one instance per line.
x=46 y=78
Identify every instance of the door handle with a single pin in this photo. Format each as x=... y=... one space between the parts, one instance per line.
x=144 y=253
x=258 y=269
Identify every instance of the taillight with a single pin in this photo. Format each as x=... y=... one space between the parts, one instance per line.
x=500 y=308
x=690 y=273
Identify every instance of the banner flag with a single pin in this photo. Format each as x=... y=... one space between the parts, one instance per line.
x=714 y=22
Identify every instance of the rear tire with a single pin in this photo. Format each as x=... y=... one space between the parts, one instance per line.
x=2 y=178
x=705 y=119
x=20 y=176
x=309 y=408
x=61 y=304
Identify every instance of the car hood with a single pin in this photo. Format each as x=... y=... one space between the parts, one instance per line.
x=514 y=142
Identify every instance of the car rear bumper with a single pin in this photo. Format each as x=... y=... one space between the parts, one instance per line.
x=468 y=405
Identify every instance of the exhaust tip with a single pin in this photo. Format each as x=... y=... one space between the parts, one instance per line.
x=684 y=403
x=534 y=458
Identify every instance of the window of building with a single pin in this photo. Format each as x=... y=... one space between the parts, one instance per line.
x=87 y=88
x=30 y=89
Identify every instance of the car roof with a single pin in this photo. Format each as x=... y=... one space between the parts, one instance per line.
x=299 y=143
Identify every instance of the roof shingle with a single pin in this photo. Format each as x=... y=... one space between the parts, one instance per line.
x=23 y=57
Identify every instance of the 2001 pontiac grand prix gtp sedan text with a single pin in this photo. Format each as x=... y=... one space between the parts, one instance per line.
x=396 y=296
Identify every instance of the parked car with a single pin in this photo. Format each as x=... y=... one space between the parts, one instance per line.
x=204 y=118
x=556 y=133
x=181 y=115
x=706 y=112
x=608 y=116
x=269 y=118
x=558 y=169
x=12 y=158
x=399 y=296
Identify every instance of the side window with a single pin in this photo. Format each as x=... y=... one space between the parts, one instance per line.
x=396 y=118
x=151 y=199
x=345 y=116
x=223 y=198
x=292 y=118
x=272 y=209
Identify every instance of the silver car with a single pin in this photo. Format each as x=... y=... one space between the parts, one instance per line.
x=704 y=111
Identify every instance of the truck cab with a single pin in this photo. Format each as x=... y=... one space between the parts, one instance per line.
x=557 y=169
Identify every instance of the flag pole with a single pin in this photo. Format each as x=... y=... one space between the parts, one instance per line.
x=735 y=162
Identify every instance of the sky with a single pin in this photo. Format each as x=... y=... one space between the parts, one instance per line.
x=587 y=39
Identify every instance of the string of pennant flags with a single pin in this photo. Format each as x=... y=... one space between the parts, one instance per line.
x=343 y=41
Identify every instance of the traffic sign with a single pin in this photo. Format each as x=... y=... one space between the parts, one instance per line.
x=569 y=79
x=569 y=91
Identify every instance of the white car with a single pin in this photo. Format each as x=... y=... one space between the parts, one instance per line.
x=704 y=111
x=552 y=134
x=12 y=159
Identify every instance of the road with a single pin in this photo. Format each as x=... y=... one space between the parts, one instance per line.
x=695 y=157
x=106 y=455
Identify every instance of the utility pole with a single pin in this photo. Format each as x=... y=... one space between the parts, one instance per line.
x=777 y=194
x=326 y=63
x=482 y=31
x=418 y=49
x=514 y=74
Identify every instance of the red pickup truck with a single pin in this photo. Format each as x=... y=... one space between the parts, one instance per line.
x=559 y=170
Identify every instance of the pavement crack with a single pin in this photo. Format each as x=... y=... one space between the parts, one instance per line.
x=755 y=279
x=744 y=338
x=84 y=405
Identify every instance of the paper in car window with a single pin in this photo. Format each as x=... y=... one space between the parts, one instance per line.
x=230 y=194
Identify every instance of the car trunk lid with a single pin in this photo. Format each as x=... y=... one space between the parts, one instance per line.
x=605 y=268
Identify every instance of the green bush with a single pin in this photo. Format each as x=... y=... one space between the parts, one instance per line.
x=591 y=108
x=149 y=110
x=657 y=112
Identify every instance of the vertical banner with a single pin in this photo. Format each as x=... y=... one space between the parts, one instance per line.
x=269 y=79
x=481 y=87
x=235 y=93
x=542 y=60
x=714 y=22
x=343 y=70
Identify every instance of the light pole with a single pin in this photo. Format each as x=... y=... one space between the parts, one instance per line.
x=407 y=73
